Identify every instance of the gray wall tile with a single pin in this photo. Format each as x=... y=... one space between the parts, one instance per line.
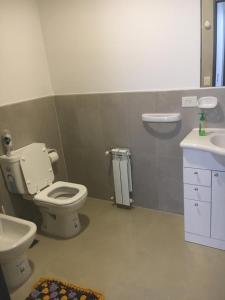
x=169 y=183
x=91 y=124
x=113 y=111
x=142 y=141
x=144 y=175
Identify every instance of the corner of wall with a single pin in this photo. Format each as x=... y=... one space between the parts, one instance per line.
x=60 y=136
x=45 y=48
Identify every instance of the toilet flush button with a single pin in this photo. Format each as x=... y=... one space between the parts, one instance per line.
x=28 y=182
x=44 y=149
x=23 y=158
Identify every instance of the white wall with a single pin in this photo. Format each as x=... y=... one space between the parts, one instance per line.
x=121 y=45
x=24 y=70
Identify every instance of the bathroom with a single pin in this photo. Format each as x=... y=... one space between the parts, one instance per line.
x=77 y=76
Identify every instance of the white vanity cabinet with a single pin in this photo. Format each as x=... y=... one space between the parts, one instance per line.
x=204 y=198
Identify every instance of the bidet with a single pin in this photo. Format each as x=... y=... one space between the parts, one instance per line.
x=16 y=235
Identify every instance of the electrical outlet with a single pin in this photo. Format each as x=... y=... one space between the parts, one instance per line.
x=190 y=101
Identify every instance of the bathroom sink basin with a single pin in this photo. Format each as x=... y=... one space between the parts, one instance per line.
x=213 y=141
x=218 y=140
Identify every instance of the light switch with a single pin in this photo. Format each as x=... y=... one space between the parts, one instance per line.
x=190 y=101
x=207 y=81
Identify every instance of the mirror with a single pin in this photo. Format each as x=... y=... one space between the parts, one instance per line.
x=213 y=43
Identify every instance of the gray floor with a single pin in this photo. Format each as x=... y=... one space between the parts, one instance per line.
x=130 y=254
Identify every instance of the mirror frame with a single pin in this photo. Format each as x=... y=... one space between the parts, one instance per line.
x=208 y=43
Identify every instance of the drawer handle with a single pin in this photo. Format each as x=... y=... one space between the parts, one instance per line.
x=216 y=175
x=196 y=173
x=196 y=204
x=196 y=189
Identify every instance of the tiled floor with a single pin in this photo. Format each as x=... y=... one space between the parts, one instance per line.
x=131 y=254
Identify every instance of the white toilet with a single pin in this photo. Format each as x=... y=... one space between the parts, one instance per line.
x=28 y=171
x=16 y=235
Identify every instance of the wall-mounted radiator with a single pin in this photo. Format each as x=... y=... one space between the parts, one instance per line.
x=122 y=176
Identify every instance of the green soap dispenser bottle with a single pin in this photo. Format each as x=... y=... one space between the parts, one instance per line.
x=202 y=124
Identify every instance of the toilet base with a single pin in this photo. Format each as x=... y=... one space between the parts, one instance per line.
x=16 y=271
x=63 y=226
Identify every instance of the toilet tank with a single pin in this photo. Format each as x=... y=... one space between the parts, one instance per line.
x=12 y=172
x=27 y=170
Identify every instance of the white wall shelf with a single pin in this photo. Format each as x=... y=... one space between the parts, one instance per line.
x=161 y=118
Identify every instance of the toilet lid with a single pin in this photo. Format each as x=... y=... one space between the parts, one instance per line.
x=36 y=167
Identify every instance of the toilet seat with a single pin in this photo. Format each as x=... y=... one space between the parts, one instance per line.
x=61 y=194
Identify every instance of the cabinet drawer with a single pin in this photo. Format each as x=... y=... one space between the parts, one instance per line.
x=197 y=192
x=197 y=217
x=197 y=176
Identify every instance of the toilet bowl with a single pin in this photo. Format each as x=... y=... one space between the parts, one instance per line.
x=58 y=205
x=28 y=171
x=16 y=235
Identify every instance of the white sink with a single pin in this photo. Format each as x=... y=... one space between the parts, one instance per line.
x=218 y=140
x=213 y=142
